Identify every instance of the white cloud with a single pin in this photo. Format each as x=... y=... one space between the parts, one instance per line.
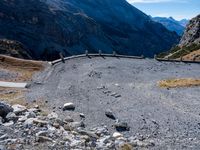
x=156 y=1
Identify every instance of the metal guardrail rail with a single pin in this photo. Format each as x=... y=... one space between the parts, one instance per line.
x=95 y=55
x=100 y=54
x=175 y=60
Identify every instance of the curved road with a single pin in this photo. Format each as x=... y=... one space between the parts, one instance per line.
x=128 y=87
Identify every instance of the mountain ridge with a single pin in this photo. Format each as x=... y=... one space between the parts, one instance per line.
x=73 y=26
x=172 y=24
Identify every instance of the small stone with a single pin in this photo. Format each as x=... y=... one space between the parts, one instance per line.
x=68 y=106
x=36 y=106
x=68 y=119
x=88 y=133
x=52 y=115
x=7 y=124
x=29 y=122
x=18 y=109
x=41 y=122
x=22 y=118
x=3 y=137
x=56 y=125
x=145 y=143
x=30 y=114
x=5 y=109
x=42 y=133
x=121 y=126
x=82 y=115
x=44 y=139
x=11 y=117
x=117 y=135
x=110 y=114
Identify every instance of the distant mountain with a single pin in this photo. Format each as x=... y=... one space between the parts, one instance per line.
x=189 y=46
x=184 y=22
x=172 y=24
x=48 y=27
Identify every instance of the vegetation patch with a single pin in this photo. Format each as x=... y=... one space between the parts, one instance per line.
x=177 y=52
x=24 y=68
x=176 y=83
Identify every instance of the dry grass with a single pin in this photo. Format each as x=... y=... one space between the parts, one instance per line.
x=192 y=55
x=13 y=96
x=175 y=83
x=24 y=68
x=16 y=96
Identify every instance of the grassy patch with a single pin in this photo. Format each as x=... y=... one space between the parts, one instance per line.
x=24 y=68
x=178 y=52
x=175 y=83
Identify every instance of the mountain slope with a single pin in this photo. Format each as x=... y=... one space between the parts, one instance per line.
x=72 y=26
x=14 y=48
x=172 y=24
x=189 y=46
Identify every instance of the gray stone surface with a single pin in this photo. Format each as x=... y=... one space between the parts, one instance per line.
x=169 y=116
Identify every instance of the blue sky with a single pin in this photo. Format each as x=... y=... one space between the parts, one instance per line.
x=178 y=9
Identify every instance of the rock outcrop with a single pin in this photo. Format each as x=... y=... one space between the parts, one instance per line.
x=14 y=48
x=189 y=47
x=192 y=33
x=73 y=26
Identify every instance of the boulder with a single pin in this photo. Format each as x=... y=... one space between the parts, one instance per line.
x=117 y=135
x=5 y=109
x=121 y=126
x=11 y=117
x=18 y=109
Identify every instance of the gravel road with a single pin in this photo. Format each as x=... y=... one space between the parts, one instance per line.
x=127 y=87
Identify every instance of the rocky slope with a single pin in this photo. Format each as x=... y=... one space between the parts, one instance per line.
x=192 y=33
x=72 y=26
x=189 y=44
x=172 y=24
x=26 y=128
x=14 y=48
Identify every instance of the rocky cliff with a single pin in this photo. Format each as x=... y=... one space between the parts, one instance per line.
x=192 y=33
x=47 y=27
x=189 y=46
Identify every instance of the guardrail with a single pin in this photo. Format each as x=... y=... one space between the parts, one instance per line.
x=95 y=55
x=176 y=60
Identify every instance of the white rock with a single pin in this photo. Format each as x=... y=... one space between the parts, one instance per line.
x=68 y=106
x=17 y=109
x=117 y=135
x=7 y=124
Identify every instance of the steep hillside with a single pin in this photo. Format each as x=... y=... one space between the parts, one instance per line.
x=172 y=24
x=72 y=26
x=189 y=46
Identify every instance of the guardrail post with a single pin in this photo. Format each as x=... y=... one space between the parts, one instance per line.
x=155 y=57
x=167 y=57
x=100 y=52
x=86 y=52
x=62 y=57
x=114 y=53
x=181 y=59
x=142 y=56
